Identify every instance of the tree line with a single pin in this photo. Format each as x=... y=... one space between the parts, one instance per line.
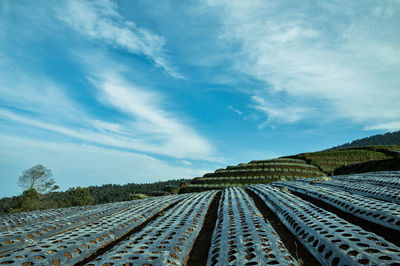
x=40 y=192
x=389 y=138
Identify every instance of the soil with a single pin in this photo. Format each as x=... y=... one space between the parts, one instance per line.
x=199 y=253
x=296 y=249
x=108 y=247
x=387 y=233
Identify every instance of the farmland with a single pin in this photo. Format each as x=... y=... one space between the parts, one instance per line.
x=254 y=172
x=304 y=165
x=339 y=220
x=330 y=160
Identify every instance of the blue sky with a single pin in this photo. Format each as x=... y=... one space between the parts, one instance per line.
x=137 y=91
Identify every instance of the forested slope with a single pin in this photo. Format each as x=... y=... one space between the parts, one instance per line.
x=389 y=138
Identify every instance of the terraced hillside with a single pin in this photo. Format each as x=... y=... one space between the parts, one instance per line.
x=330 y=160
x=254 y=172
x=343 y=220
x=304 y=165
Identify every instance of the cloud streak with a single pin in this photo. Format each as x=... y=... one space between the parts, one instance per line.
x=284 y=113
x=230 y=107
x=137 y=117
x=100 y=21
x=344 y=59
x=161 y=130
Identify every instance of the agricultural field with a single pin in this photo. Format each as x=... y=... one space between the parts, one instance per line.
x=304 y=165
x=330 y=160
x=339 y=220
x=254 y=172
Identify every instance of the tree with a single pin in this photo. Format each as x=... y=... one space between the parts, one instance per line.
x=39 y=178
x=79 y=197
x=28 y=201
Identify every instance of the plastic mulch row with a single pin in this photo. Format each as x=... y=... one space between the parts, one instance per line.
x=242 y=236
x=30 y=227
x=74 y=245
x=332 y=240
x=368 y=190
x=377 y=211
x=165 y=241
x=386 y=178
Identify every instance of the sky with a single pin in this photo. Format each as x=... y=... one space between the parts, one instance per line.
x=117 y=92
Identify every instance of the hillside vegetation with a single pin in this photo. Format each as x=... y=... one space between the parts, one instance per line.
x=389 y=138
x=304 y=165
x=101 y=194
x=254 y=172
x=329 y=161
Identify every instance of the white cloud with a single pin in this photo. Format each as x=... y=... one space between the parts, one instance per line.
x=139 y=137
x=100 y=20
x=230 y=107
x=36 y=101
x=337 y=57
x=160 y=130
x=283 y=113
x=106 y=126
x=35 y=93
x=185 y=162
x=392 y=126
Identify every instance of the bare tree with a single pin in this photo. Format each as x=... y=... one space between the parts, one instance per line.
x=39 y=178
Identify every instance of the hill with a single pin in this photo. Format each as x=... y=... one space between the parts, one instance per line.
x=329 y=161
x=254 y=172
x=303 y=165
x=390 y=138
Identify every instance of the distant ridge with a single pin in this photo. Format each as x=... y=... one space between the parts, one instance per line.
x=390 y=138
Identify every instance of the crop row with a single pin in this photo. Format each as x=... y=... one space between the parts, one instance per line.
x=266 y=172
x=165 y=230
x=332 y=240
x=369 y=190
x=23 y=229
x=380 y=212
x=242 y=236
x=10 y=221
x=165 y=241
x=288 y=160
x=264 y=175
x=272 y=164
x=272 y=169
x=387 y=179
x=78 y=242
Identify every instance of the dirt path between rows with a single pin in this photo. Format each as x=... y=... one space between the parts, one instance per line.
x=298 y=251
x=199 y=254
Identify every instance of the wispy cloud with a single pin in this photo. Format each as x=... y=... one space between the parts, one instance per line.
x=230 y=107
x=35 y=93
x=162 y=135
x=281 y=113
x=157 y=128
x=392 y=126
x=137 y=117
x=343 y=57
x=143 y=125
x=185 y=162
x=100 y=20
